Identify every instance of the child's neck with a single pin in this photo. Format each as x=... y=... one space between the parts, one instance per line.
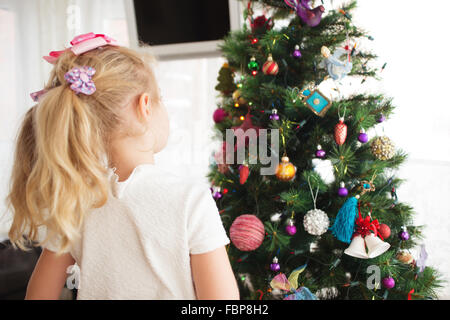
x=127 y=154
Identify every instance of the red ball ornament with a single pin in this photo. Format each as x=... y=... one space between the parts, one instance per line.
x=247 y=232
x=219 y=115
x=384 y=231
x=340 y=132
x=270 y=67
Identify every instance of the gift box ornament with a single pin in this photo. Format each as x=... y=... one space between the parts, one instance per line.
x=316 y=101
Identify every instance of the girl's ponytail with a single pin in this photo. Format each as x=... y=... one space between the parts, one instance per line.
x=60 y=167
x=68 y=174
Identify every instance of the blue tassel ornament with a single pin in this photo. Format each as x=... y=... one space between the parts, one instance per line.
x=344 y=224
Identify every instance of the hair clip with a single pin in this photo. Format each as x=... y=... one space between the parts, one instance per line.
x=81 y=80
x=81 y=44
x=36 y=96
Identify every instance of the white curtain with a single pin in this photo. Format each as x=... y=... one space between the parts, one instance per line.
x=30 y=29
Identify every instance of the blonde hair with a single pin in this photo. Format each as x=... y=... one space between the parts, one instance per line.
x=59 y=171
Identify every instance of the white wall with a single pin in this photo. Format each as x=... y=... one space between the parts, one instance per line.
x=411 y=36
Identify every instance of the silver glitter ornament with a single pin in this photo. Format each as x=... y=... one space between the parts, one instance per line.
x=316 y=222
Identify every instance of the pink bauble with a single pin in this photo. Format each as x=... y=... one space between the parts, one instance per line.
x=219 y=115
x=291 y=230
x=247 y=232
x=388 y=282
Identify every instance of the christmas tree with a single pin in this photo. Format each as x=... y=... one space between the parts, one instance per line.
x=299 y=234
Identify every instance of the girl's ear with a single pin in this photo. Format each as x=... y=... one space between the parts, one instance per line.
x=144 y=106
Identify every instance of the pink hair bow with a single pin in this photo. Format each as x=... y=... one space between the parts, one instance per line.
x=81 y=44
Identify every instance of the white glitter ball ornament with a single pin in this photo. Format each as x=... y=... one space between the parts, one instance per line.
x=316 y=222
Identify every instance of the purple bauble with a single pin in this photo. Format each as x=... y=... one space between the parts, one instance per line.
x=363 y=137
x=403 y=235
x=297 y=54
x=381 y=118
x=342 y=192
x=217 y=195
x=274 y=116
x=388 y=282
x=219 y=115
x=275 y=266
x=291 y=230
x=320 y=153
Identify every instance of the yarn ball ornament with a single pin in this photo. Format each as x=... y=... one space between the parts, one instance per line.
x=382 y=148
x=219 y=115
x=270 y=67
x=316 y=222
x=285 y=170
x=247 y=232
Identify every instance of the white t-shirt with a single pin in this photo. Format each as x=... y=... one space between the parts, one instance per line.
x=138 y=245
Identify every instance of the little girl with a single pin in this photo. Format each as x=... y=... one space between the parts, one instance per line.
x=85 y=187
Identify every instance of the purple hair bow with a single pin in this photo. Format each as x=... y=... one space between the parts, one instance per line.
x=81 y=80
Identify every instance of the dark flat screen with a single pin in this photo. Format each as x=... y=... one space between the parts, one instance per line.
x=162 y=22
